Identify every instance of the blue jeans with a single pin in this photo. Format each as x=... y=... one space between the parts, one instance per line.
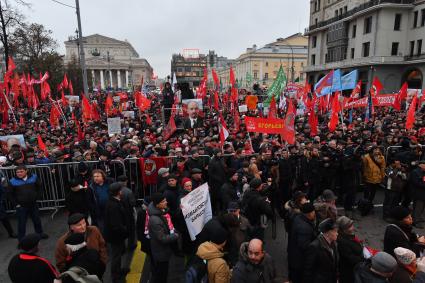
x=22 y=213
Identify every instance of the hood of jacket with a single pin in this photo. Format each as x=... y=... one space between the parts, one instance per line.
x=209 y=250
x=153 y=210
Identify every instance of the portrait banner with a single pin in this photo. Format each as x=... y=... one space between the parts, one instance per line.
x=196 y=209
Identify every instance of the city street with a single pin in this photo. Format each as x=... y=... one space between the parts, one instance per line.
x=371 y=228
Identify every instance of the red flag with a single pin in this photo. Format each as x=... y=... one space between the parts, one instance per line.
x=45 y=90
x=313 y=121
x=333 y=122
x=41 y=145
x=224 y=133
x=54 y=116
x=71 y=88
x=289 y=129
x=148 y=120
x=108 y=104
x=356 y=91
x=402 y=94
x=232 y=77
x=87 y=112
x=65 y=81
x=410 y=119
x=64 y=101
x=94 y=113
x=375 y=89
x=142 y=102
x=150 y=166
x=216 y=100
x=11 y=65
x=272 y=108
x=215 y=78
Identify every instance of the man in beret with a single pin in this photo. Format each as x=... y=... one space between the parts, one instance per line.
x=27 y=266
x=93 y=238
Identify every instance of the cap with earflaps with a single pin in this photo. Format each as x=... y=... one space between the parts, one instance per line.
x=29 y=242
x=327 y=225
x=384 y=263
x=344 y=223
x=75 y=218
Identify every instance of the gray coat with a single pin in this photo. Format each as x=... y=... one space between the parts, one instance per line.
x=160 y=237
x=246 y=272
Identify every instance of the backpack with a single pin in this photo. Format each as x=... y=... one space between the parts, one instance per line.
x=364 y=206
x=197 y=271
x=80 y=275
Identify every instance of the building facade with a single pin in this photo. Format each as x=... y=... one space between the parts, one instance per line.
x=189 y=67
x=111 y=63
x=383 y=38
x=260 y=65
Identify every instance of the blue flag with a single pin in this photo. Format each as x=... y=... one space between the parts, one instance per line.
x=349 y=81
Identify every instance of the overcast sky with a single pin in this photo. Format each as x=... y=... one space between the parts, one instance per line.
x=159 y=28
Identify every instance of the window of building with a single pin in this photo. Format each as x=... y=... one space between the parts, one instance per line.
x=419 y=47
x=345 y=9
x=267 y=64
x=367 y=25
x=394 y=49
x=314 y=41
x=415 y=19
x=412 y=48
x=255 y=75
x=422 y=17
x=315 y=22
x=354 y=31
x=340 y=11
x=318 y=4
x=336 y=13
x=366 y=49
x=315 y=6
x=352 y=53
x=397 y=21
x=266 y=76
x=313 y=59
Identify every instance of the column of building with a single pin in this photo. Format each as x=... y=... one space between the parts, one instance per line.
x=102 y=75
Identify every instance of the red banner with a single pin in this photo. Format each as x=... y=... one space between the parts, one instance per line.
x=383 y=100
x=263 y=125
x=150 y=167
x=169 y=129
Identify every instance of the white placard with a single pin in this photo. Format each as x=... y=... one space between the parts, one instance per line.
x=196 y=209
x=114 y=126
x=116 y=98
x=73 y=98
x=128 y=114
x=243 y=108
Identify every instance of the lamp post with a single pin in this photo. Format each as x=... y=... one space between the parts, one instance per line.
x=80 y=43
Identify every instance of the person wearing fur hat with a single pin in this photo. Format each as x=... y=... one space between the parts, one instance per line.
x=406 y=268
x=400 y=233
x=322 y=257
x=212 y=251
x=350 y=249
x=379 y=269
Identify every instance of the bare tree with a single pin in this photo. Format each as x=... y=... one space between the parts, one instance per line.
x=10 y=18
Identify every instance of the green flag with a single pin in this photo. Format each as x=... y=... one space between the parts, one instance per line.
x=277 y=87
x=248 y=79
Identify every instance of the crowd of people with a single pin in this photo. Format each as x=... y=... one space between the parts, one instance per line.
x=253 y=179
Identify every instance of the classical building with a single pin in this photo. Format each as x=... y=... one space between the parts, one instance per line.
x=189 y=66
x=111 y=63
x=260 y=65
x=382 y=38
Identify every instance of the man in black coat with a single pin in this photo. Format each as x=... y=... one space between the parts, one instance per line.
x=321 y=258
x=171 y=193
x=27 y=266
x=286 y=179
x=351 y=168
x=217 y=177
x=228 y=190
x=303 y=232
x=417 y=190
x=116 y=231
x=79 y=199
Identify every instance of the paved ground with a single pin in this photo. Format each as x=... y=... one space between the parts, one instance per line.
x=371 y=228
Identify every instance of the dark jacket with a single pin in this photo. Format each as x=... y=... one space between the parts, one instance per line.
x=400 y=236
x=217 y=175
x=321 y=262
x=24 y=268
x=228 y=194
x=25 y=192
x=351 y=253
x=116 y=227
x=167 y=97
x=172 y=195
x=79 y=201
x=246 y=272
x=255 y=205
x=417 y=184
x=89 y=259
x=362 y=274
x=303 y=232
x=159 y=233
x=402 y=275
x=198 y=124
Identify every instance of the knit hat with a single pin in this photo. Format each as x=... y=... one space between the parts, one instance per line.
x=255 y=183
x=157 y=197
x=307 y=208
x=75 y=241
x=185 y=180
x=404 y=256
x=384 y=263
x=344 y=223
x=114 y=188
x=327 y=225
x=29 y=242
x=328 y=195
x=163 y=171
x=218 y=236
x=75 y=218
x=82 y=167
x=298 y=195
x=400 y=212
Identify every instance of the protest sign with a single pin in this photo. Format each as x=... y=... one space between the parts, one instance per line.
x=196 y=209
x=382 y=100
x=7 y=142
x=72 y=99
x=128 y=114
x=243 y=108
x=264 y=125
x=114 y=126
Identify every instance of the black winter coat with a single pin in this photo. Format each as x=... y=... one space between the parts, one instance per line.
x=79 y=201
x=116 y=227
x=351 y=253
x=397 y=236
x=255 y=205
x=24 y=268
x=321 y=262
x=216 y=174
x=228 y=194
x=417 y=184
x=303 y=232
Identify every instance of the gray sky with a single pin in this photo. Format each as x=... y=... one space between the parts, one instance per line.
x=159 y=28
